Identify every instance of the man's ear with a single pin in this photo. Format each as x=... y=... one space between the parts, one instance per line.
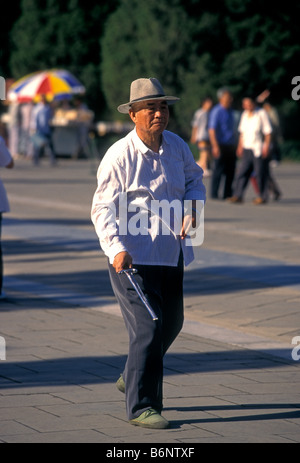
x=132 y=115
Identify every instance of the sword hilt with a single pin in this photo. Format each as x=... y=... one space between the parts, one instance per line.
x=130 y=271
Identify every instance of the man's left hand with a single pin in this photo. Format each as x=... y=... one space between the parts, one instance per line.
x=189 y=221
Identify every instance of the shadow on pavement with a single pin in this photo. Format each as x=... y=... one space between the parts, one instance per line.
x=106 y=369
x=264 y=411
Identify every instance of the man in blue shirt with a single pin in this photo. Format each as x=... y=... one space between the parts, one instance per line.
x=221 y=127
x=41 y=125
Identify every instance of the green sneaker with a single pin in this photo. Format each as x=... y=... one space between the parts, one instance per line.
x=150 y=419
x=120 y=384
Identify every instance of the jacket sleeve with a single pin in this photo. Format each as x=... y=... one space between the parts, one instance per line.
x=194 y=187
x=104 y=214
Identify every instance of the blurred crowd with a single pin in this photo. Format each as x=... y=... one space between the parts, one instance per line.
x=28 y=127
x=238 y=147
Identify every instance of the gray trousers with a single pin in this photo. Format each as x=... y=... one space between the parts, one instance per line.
x=250 y=164
x=149 y=340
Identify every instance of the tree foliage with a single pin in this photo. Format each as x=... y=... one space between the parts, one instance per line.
x=192 y=46
x=51 y=34
x=194 y=51
x=153 y=41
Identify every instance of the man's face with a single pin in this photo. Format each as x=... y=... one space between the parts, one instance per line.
x=150 y=116
x=248 y=104
x=226 y=100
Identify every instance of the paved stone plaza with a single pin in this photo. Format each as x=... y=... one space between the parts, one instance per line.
x=229 y=377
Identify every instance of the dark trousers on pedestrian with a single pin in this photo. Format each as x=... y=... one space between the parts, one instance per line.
x=249 y=164
x=149 y=340
x=43 y=143
x=224 y=166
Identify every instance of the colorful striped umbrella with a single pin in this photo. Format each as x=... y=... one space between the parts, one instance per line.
x=56 y=84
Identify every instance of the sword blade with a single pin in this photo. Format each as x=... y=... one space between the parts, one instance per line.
x=129 y=273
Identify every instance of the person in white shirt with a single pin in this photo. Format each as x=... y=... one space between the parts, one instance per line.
x=253 y=148
x=7 y=161
x=148 y=166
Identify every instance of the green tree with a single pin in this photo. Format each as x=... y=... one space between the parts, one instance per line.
x=195 y=47
x=9 y=15
x=192 y=46
x=51 y=34
x=264 y=50
x=144 y=39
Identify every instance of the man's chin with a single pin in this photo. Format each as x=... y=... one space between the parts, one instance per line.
x=159 y=127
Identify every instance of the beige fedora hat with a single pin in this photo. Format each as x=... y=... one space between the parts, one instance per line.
x=146 y=89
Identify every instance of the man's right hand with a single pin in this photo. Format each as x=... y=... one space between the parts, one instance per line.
x=215 y=151
x=239 y=151
x=122 y=261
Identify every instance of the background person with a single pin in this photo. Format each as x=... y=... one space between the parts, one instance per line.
x=26 y=145
x=200 y=135
x=42 y=115
x=253 y=149
x=82 y=126
x=277 y=136
x=276 y=141
x=7 y=161
x=14 y=125
x=221 y=129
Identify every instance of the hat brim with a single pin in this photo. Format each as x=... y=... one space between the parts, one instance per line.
x=124 y=108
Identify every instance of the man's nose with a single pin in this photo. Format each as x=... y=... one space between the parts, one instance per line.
x=159 y=111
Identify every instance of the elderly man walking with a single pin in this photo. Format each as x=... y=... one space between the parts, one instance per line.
x=149 y=166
